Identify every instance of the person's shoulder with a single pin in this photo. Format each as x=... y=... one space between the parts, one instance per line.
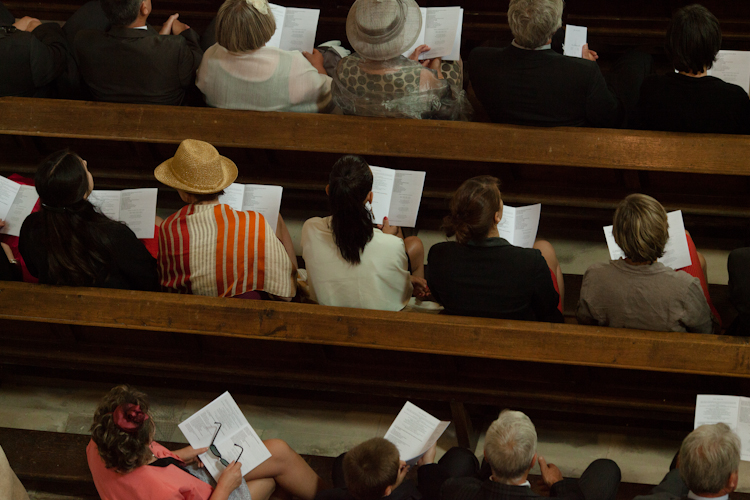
x=487 y=52
x=443 y=248
x=460 y=487
x=119 y=231
x=386 y=241
x=729 y=89
x=599 y=268
x=317 y=224
x=31 y=224
x=740 y=255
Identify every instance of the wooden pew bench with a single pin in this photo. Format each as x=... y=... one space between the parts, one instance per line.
x=633 y=378
x=579 y=174
x=626 y=22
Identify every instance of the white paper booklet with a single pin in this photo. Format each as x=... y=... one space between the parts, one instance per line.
x=295 y=28
x=676 y=253
x=575 y=39
x=200 y=428
x=731 y=410
x=396 y=195
x=441 y=30
x=16 y=203
x=135 y=207
x=520 y=225
x=259 y=198
x=733 y=66
x=414 y=432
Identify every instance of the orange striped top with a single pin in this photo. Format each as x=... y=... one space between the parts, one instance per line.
x=217 y=251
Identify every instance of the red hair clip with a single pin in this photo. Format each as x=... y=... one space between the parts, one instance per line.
x=129 y=418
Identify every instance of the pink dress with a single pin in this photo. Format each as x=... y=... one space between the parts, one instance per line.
x=146 y=482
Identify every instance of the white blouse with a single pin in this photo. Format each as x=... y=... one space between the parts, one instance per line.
x=266 y=79
x=380 y=281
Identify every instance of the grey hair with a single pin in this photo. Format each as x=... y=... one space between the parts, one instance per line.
x=533 y=22
x=510 y=445
x=708 y=456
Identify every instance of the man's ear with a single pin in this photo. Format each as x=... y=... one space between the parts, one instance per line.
x=145 y=9
x=327 y=189
x=388 y=491
x=533 y=461
x=731 y=485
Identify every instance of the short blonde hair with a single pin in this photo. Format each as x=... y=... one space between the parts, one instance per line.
x=510 y=445
x=533 y=22
x=240 y=27
x=641 y=228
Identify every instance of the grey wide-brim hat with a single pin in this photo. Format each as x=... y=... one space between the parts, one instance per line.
x=383 y=29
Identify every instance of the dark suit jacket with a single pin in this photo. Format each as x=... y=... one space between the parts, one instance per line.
x=738 y=266
x=31 y=62
x=492 y=279
x=138 y=66
x=465 y=488
x=672 y=487
x=542 y=87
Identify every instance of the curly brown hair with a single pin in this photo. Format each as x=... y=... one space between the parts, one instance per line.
x=120 y=450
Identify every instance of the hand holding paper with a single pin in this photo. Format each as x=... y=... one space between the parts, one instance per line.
x=414 y=432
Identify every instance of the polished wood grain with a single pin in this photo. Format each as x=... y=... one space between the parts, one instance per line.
x=480 y=142
x=305 y=323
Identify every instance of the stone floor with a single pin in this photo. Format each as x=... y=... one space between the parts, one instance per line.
x=327 y=429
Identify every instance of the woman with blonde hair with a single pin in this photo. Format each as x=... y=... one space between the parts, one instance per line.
x=128 y=464
x=241 y=72
x=481 y=274
x=639 y=292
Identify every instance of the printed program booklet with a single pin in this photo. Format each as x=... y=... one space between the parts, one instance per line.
x=259 y=198
x=295 y=28
x=16 y=203
x=441 y=31
x=731 y=410
x=520 y=225
x=201 y=427
x=575 y=39
x=135 y=207
x=414 y=432
x=397 y=195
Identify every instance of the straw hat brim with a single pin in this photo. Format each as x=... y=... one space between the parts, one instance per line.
x=165 y=175
x=375 y=52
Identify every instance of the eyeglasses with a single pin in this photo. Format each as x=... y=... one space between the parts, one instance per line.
x=215 y=451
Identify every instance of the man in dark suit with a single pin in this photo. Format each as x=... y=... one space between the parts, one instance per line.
x=132 y=62
x=32 y=56
x=738 y=266
x=707 y=467
x=510 y=452
x=530 y=84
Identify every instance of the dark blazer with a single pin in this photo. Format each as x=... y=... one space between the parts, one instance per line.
x=138 y=66
x=672 y=487
x=738 y=266
x=465 y=488
x=31 y=62
x=132 y=266
x=492 y=279
x=542 y=87
x=681 y=103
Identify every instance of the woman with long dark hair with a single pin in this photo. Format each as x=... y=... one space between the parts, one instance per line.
x=481 y=274
x=70 y=243
x=352 y=263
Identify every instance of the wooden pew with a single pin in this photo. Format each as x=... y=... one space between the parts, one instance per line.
x=625 y=22
x=579 y=174
x=631 y=377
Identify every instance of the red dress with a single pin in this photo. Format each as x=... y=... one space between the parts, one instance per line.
x=146 y=482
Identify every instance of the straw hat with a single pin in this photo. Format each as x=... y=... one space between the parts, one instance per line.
x=383 y=29
x=197 y=168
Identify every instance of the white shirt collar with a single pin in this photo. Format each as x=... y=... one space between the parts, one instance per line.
x=693 y=496
x=141 y=28
x=528 y=485
x=543 y=47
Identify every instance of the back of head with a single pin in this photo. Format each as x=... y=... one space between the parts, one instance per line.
x=640 y=228
x=78 y=249
x=693 y=39
x=510 y=445
x=708 y=457
x=348 y=186
x=243 y=25
x=534 y=22
x=473 y=208
x=122 y=429
x=370 y=467
x=121 y=12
